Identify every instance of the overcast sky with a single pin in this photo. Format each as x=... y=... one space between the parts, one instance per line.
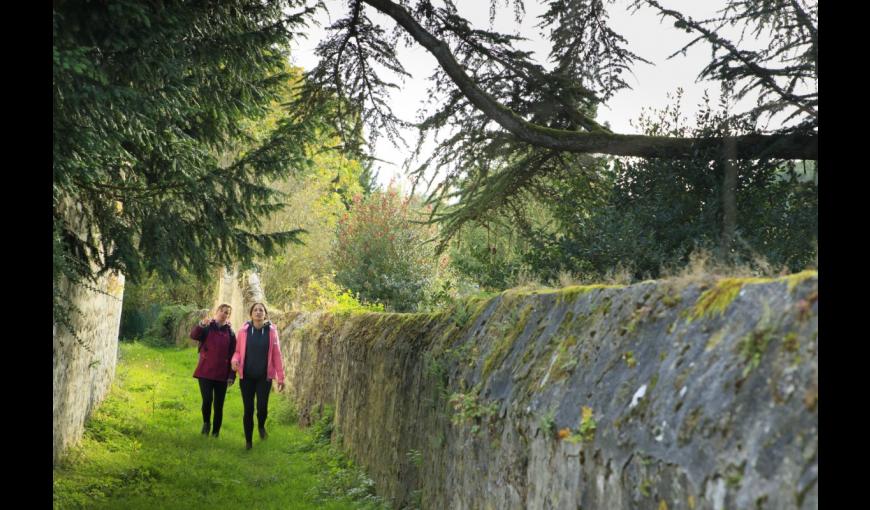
x=647 y=37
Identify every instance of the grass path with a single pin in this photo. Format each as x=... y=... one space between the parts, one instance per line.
x=142 y=449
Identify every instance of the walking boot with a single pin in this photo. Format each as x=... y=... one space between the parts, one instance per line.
x=205 y=428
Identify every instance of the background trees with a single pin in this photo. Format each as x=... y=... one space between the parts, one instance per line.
x=647 y=216
x=180 y=132
x=149 y=100
x=500 y=118
x=652 y=214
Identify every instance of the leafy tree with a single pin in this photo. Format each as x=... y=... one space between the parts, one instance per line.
x=300 y=276
x=144 y=300
x=149 y=100
x=315 y=202
x=382 y=254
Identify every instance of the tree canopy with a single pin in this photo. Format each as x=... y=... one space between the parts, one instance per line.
x=503 y=118
x=550 y=107
x=153 y=170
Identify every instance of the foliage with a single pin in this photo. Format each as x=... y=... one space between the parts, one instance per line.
x=489 y=253
x=467 y=408
x=168 y=321
x=188 y=289
x=415 y=457
x=547 y=423
x=324 y=426
x=381 y=254
x=135 y=322
x=654 y=213
x=752 y=347
x=322 y=293
x=500 y=120
x=177 y=127
x=143 y=300
x=448 y=287
x=587 y=424
x=648 y=215
x=301 y=277
x=149 y=100
x=285 y=411
x=343 y=479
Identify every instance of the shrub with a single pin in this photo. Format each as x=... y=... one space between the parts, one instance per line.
x=381 y=253
x=164 y=330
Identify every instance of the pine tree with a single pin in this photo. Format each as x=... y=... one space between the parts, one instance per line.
x=153 y=172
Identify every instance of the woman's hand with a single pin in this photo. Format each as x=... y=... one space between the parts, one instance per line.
x=203 y=323
x=235 y=365
x=280 y=387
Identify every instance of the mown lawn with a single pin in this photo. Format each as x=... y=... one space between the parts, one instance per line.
x=143 y=449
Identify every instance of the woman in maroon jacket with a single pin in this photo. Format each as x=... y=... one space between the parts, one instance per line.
x=217 y=343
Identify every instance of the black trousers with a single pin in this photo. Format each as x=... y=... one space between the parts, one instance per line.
x=213 y=391
x=250 y=388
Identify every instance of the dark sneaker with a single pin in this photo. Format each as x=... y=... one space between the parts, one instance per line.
x=248 y=445
x=205 y=428
x=263 y=434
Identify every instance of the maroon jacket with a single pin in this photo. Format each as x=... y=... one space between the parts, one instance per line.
x=216 y=348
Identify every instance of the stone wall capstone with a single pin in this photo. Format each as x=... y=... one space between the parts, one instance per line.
x=240 y=291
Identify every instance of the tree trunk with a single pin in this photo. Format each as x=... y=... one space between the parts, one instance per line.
x=729 y=202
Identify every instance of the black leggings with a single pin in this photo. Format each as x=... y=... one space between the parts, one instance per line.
x=261 y=388
x=213 y=390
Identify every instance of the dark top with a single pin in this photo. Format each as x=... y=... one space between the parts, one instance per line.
x=256 y=351
x=216 y=347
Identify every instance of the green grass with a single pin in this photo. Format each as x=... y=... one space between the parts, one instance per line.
x=142 y=449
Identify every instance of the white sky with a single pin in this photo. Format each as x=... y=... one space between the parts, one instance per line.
x=647 y=37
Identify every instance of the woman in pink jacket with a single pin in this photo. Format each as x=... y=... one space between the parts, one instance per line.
x=257 y=359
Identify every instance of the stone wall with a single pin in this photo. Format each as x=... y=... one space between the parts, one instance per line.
x=83 y=368
x=657 y=395
x=230 y=291
x=83 y=372
x=241 y=291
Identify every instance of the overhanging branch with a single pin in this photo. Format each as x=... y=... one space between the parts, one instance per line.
x=789 y=146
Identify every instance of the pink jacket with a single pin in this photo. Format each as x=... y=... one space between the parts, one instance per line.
x=274 y=364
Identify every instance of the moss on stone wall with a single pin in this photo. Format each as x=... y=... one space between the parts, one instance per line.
x=716 y=300
x=542 y=398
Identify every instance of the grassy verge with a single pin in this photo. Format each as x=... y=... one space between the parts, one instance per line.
x=142 y=449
